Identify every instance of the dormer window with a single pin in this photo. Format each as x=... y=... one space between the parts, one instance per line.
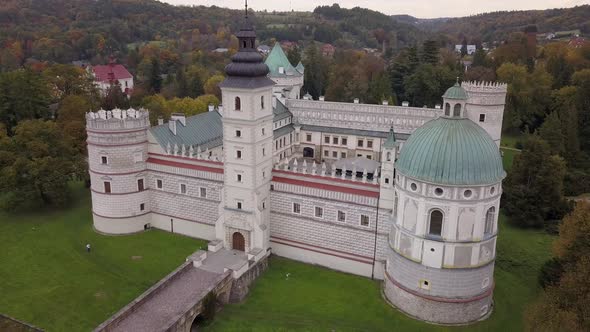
x=238 y=104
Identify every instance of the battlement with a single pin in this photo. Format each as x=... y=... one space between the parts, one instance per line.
x=118 y=119
x=485 y=87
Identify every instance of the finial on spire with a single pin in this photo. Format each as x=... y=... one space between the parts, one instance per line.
x=246 y=8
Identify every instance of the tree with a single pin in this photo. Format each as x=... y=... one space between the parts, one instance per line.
x=479 y=73
x=464 y=47
x=157 y=106
x=427 y=85
x=430 y=52
x=552 y=133
x=581 y=79
x=294 y=56
x=379 y=89
x=155 y=79
x=315 y=71
x=211 y=86
x=480 y=58
x=533 y=190
x=115 y=98
x=71 y=119
x=182 y=84
x=36 y=164
x=67 y=80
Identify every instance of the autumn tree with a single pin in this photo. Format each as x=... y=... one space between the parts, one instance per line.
x=211 y=86
x=315 y=71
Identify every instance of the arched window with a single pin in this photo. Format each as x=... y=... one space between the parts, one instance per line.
x=262 y=102
x=238 y=104
x=457 y=110
x=435 y=224
x=388 y=156
x=244 y=44
x=448 y=109
x=489 y=225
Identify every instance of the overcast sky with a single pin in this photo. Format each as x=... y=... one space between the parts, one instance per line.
x=417 y=8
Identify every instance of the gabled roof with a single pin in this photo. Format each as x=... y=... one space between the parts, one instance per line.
x=110 y=72
x=277 y=59
x=281 y=111
x=204 y=130
x=300 y=68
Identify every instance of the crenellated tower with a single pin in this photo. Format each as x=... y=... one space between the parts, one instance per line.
x=485 y=106
x=247 y=143
x=117 y=154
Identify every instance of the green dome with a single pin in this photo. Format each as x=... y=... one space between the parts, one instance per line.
x=456 y=92
x=451 y=151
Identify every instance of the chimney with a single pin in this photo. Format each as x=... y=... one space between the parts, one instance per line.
x=180 y=117
x=160 y=121
x=322 y=98
x=211 y=108
x=385 y=102
x=220 y=109
x=406 y=104
x=356 y=100
x=172 y=125
x=281 y=70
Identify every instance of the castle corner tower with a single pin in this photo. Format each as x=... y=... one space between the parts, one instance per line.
x=247 y=147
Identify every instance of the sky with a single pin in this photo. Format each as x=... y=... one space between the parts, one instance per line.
x=417 y=8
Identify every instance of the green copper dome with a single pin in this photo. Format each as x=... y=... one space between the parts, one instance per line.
x=456 y=92
x=451 y=151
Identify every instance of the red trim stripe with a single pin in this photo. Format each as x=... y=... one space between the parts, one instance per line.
x=311 y=245
x=441 y=299
x=184 y=165
x=322 y=252
x=185 y=158
x=313 y=176
x=328 y=187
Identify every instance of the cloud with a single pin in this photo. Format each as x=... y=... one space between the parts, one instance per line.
x=417 y=8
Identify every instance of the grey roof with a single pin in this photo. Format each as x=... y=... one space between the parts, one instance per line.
x=246 y=82
x=281 y=111
x=204 y=130
x=282 y=131
x=361 y=164
x=358 y=132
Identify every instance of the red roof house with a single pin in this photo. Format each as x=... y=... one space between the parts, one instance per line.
x=107 y=75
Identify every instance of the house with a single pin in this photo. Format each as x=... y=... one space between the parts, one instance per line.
x=577 y=42
x=328 y=50
x=470 y=49
x=107 y=75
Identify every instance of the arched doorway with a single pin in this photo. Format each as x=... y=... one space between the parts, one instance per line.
x=238 y=242
x=307 y=153
x=197 y=323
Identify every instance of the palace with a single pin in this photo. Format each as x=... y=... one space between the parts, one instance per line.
x=407 y=195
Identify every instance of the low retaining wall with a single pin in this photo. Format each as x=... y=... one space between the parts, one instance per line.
x=241 y=286
x=15 y=325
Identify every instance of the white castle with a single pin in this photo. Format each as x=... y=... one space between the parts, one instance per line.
x=403 y=194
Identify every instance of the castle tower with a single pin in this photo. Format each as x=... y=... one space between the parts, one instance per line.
x=441 y=253
x=388 y=157
x=454 y=101
x=485 y=106
x=117 y=154
x=247 y=144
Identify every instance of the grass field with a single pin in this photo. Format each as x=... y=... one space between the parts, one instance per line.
x=317 y=299
x=47 y=279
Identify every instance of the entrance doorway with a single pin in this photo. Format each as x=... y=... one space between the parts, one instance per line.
x=238 y=242
x=307 y=153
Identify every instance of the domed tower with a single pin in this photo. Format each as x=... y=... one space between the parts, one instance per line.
x=247 y=147
x=454 y=101
x=117 y=154
x=441 y=253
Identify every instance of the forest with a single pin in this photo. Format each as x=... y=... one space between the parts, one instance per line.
x=168 y=49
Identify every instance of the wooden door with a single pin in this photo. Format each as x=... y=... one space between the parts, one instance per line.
x=238 y=242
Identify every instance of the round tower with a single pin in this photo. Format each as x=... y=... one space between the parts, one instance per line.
x=485 y=106
x=440 y=258
x=117 y=154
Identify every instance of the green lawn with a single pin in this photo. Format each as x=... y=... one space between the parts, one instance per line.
x=510 y=140
x=48 y=280
x=508 y=158
x=319 y=299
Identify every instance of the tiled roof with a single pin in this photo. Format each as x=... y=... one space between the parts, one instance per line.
x=107 y=73
x=282 y=131
x=281 y=112
x=204 y=130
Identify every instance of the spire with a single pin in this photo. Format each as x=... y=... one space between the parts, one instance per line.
x=390 y=141
x=246 y=9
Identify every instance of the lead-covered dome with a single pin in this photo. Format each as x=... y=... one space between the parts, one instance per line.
x=451 y=151
x=456 y=92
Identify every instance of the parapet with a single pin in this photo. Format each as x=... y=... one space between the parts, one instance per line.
x=118 y=119
x=489 y=87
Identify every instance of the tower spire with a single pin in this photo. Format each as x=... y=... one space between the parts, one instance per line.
x=246 y=8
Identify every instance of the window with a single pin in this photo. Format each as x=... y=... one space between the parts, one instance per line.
x=492 y=190
x=276 y=145
x=239 y=177
x=369 y=157
x=141 y=206
x=203 y=192
x=489 y=225
x=342 y=154
x=238 y=104
x=335 y=140
x=319 y=212
x=183 y=188
x=386 y=180
x=104 y=160
x=140 y=186
x=457 y=110
x=369 y=144
x=262 y=102
x=413 y=186
x=482 y=118
x=438 y=191
x=308 y=137
x=238 y=133
x=327 y=139
x=467 y=193
x=341 y=216
x=388 y=156
x=326 y=153
x=344 y=141
x=107 y=187
x=364 y=220
x=447 y=109
x=159 y=184
x=296 y=208
x=137 y=157
x=263 y=133
x=335 y=154
x=360 y=143
x=239 y=205
x=264 y=174
x=239 y=154
x=435 y=225
x=263 y=152
x=264 y=204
